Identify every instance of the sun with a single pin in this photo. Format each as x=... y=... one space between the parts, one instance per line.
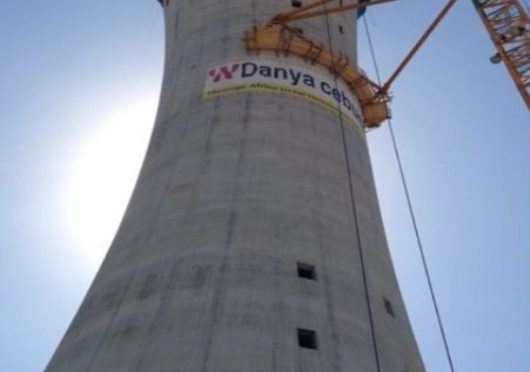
x=104 y=176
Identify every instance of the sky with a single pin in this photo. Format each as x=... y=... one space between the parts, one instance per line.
x=79 y=85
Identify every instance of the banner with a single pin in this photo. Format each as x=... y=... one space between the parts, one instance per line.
x=276 y=77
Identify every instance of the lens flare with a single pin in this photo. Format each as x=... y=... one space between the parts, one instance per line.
x=104 y=176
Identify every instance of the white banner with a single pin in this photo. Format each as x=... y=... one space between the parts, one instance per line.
x=273 y=76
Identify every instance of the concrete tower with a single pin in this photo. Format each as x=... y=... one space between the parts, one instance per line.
x=253 y=241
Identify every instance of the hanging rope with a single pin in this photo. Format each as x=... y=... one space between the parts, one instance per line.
x=412 y=213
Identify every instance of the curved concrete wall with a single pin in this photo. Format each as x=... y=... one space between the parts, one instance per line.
x=234 y=192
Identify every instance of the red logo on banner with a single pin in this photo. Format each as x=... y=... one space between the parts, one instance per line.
x=224 y=72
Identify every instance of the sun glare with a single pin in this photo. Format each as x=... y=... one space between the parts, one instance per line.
x=104 y=176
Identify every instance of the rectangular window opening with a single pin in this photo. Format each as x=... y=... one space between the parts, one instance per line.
x=306 y=271
x=307 y=339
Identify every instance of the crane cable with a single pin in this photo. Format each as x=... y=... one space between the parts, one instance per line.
x=412 y=213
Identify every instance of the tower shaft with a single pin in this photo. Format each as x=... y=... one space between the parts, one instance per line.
x=253 y=240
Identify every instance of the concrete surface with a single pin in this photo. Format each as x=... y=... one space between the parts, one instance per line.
x=233 y=193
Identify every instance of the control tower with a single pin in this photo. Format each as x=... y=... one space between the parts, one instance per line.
x=253 y=241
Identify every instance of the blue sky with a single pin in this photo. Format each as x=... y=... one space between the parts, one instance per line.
x=79 y=86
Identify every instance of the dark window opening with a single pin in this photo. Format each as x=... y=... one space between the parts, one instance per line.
x=296 y=3
x=306 y=271
x=341 y=29
x=307 y=339
x=389 y=308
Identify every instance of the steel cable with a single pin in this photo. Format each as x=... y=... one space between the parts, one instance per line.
x=412 y=213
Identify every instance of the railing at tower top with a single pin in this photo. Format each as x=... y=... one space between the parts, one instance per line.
x=306 y=11
x=285 y=39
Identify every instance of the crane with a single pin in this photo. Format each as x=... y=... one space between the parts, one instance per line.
x=508 y=24
x=506 y=21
